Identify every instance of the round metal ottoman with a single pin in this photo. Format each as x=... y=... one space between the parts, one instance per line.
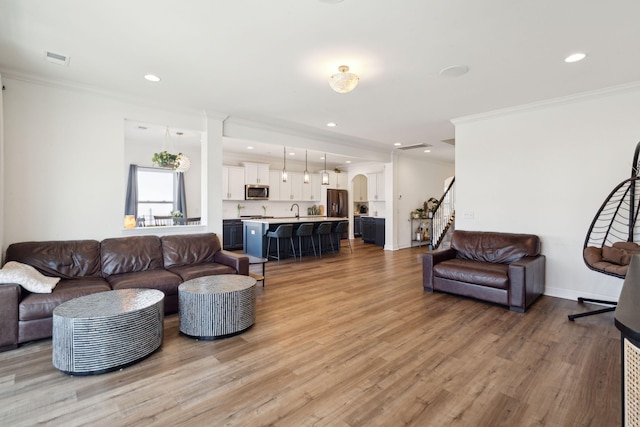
x=107 y=331
x=219 y=306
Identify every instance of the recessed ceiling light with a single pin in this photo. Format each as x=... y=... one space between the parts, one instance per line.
x=292 y=154
x=398 y=144
x=348 y=161
x=575 y=57
x=250 y=148
x=152 y=78
x=322 y=158
x=454 y=71
x=331 y=124
x=427 y=151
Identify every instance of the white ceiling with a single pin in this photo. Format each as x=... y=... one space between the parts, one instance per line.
x=271 y=60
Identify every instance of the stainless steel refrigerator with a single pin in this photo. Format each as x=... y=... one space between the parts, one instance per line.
x=337 y=203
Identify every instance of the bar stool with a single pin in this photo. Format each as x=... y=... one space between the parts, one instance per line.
x=324 y=229
x=305 y=230
x=343 y=227
x=283 y=231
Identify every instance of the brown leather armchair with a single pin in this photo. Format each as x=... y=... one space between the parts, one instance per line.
x=501 y=268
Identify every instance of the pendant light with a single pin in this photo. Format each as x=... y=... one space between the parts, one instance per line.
x=306 y=172
x=284 y=166
x=325 y=174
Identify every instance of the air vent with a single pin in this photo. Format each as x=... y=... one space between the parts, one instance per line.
x=413 y=147
x=56 y=58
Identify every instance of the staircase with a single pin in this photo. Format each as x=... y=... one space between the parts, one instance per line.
x=443 y=218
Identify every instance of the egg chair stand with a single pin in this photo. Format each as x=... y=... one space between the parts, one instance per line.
x=612 y=236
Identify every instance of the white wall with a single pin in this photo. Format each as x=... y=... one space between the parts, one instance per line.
x=545 y=169
x=64 y=160
x=416 y=180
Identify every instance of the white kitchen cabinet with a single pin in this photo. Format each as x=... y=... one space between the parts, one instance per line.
x=338 y=180
x=375 y=186
x=275 y=178
x=295 y=182
x=311 y=191
x=360 y=188
x=232 y=183
x=256 y=173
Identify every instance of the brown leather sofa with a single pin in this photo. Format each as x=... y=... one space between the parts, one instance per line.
x=89 y=266
x=501 y=268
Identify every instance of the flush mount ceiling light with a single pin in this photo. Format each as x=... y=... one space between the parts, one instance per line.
x=331 y=124
x=344 y=81
x=152 y=78
x=575 y=57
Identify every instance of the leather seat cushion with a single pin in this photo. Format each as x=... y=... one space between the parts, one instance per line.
x=188 y=272
x=159 y=279
x=40 y=306
x=480 y=273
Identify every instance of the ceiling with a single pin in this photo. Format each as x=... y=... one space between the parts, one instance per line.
x=270 y=61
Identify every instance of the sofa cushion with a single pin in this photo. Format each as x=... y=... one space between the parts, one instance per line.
x=38 y=306
x=67 y=259
x=188 y=249
x=494 y=247
x=494 y=275
x=159 y=279
x=130 y=254
x=615 y=255
x=188 y=272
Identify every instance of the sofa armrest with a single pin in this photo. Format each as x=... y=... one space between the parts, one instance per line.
x=526 y=281
x=10 y=296
x=239 y=262
x=429 y=259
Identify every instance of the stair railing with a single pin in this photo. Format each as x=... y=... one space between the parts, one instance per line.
x=443 y=216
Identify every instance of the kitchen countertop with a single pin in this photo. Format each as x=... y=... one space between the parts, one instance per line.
x=293 y=219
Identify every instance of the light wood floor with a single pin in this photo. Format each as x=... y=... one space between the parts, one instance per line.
x=349 y=340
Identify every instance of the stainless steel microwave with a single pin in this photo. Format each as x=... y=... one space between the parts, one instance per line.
x=256 y=192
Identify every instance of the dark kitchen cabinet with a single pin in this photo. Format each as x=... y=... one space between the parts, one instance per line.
x=368 y=229
x=379 y=231
x=357 y=226
x=373 y=230
x=232 y=234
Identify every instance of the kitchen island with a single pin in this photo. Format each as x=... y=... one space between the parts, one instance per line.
x=255 y=234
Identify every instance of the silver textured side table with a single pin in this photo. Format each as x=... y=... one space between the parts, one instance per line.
x=217 y=306
x=107 y=331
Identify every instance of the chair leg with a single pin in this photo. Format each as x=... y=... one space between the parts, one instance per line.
x=268 y=246
x=313 y=245
x=278 y=244
x=349 y=242
x=333 y=251
x=293 y=247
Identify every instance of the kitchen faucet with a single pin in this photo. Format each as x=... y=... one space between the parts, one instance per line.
x=298 y=211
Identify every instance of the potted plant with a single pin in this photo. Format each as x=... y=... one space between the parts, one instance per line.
x=417 y=213
x=165 y=159
x=431 y=205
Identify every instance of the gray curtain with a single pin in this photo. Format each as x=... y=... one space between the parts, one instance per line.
x=131 y=201
x=179 y=198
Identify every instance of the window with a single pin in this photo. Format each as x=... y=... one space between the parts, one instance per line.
x=155 y=192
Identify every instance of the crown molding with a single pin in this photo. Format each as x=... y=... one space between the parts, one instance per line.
x=594 y=94
x=116 y=96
